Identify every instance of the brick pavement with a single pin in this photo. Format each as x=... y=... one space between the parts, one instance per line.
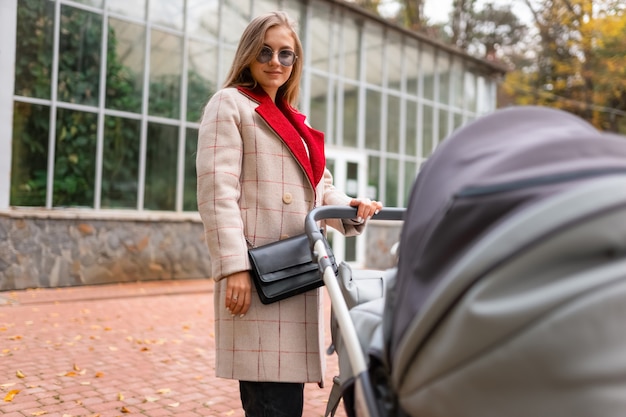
x=134 y=349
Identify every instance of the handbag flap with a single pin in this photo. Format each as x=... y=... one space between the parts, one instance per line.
x=283 y=258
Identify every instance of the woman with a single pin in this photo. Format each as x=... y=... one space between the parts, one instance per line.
x=261 y=169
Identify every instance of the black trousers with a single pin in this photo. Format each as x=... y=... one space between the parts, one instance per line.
x=272 y=399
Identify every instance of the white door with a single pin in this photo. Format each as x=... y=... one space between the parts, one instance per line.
x=349 y=169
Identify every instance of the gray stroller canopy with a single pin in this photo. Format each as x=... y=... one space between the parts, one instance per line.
x=486 y=171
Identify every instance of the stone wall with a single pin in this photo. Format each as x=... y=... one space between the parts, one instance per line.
x=50 y=248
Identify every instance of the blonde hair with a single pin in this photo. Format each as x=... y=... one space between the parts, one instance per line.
x=249 y=47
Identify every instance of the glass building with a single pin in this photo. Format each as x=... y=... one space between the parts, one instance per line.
x=101 y=99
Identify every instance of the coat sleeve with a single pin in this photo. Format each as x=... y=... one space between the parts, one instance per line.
x=218 y=167
x=334 y=197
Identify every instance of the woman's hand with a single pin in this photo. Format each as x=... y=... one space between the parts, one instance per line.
x=238 y=294
x=366 y=208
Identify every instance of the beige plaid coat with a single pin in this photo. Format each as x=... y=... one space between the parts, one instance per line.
x=256 y=183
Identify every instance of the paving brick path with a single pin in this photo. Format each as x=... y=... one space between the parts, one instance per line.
x=136 y=349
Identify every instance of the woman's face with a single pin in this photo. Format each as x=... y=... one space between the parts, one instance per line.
x=272 y=74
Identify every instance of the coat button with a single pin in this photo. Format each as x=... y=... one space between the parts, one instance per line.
x=287 y=198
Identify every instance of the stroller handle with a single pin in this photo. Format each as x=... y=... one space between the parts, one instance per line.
x=343 y=212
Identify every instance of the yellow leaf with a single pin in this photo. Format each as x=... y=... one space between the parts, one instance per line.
x=16 y=337
x=10 y=384
x=230 y=413
x=20 y=374
x=125 y=410
x=173 y=405
x=164 y=391
x=38 y=413
x=10 y=395
x=70 y=373
x=76 y=367
x=150 y=399
x=99 y=374
x=120 y=396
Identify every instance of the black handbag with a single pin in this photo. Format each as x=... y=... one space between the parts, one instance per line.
x=285 y=268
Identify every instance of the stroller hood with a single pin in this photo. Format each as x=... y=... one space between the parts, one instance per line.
x=486 y=171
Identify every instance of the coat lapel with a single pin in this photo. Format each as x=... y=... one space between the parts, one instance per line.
x=290 y=126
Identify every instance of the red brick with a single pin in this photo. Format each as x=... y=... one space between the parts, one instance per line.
x=79 y=325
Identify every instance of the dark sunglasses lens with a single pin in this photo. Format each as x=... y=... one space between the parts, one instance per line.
x=286 y=58
x=265 y=55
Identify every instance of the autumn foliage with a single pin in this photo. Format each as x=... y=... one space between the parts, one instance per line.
x=580 y=61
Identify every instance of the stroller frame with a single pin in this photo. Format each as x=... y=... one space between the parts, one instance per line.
x=357 y=357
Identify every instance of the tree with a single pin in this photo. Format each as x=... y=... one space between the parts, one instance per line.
x=580 y=65
x=410 y=13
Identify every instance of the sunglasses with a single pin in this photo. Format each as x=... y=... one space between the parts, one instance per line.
x=286 y=57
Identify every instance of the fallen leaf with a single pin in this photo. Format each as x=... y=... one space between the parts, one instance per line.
x=11 y=394
x=70 y=373
x=112 y=348
x=16 y=337
x=10 y=384
x=125 y=410
x=120 y=396
x=230 y=413
x=150 y=399
x=76 y=367
x=99 y=374
x=20 y=374
x=164 y=391
x=38 y=413
x=173 y=405
x=145 y=349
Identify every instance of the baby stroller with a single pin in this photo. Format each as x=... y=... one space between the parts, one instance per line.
x=510 y=292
